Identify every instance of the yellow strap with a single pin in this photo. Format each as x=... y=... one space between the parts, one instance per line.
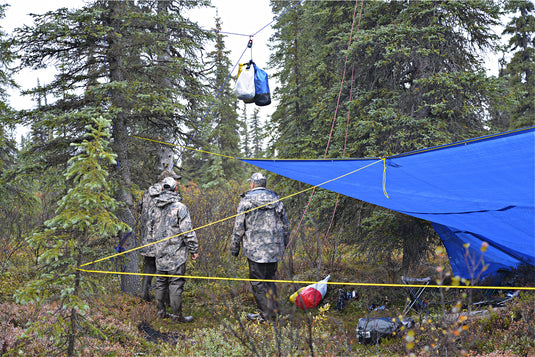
x=384 y=178
x=313 y=282
x=240 y=67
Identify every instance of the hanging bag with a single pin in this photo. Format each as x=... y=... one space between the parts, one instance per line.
x=245 y=84
x=262 y=96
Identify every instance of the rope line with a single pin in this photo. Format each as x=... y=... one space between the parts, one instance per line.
x=229 y=217
x=257 y=32
x=210 y=106
x=384 y=178
x=342 y=81
x=348 y=118
x=343 y=153
x=237 y=158
x=184 y=147
x=332 y=129
x=464 y=142
x=232 y=33
x=393 y=285
x=228 y=77
x=275 y=19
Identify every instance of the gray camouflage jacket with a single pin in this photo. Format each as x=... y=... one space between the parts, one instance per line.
x=264 y=232
x=147 y=219
x=171 y=218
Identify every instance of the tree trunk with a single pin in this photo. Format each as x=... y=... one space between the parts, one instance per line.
x=129 y=283
x=165 y=158
x=71 y=338
x=165 y=154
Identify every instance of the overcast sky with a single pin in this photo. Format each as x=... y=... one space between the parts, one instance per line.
x=245 y=17
x=237 y=16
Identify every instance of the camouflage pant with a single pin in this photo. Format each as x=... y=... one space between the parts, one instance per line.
x=170 y=285
x=265 y=293
x=149 y=267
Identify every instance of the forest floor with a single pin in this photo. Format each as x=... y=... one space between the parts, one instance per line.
x=118 y=324
x=126 y=326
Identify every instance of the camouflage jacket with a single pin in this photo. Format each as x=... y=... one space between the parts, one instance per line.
x=264 y=232
x=171 y=218
x=147 y=220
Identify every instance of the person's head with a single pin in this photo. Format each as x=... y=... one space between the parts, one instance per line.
x=169 y=184
x=257 y=180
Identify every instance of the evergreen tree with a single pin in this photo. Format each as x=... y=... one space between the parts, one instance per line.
x=221 y=132
x=6 y=57
x=135 y=62
x=418 y=82
x=79 y=233
x=257 y=134
x=290 y=46
x=246 y=149
x=17 y=203
x=521 y=69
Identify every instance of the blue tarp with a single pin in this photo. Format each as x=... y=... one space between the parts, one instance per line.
x=473 y=191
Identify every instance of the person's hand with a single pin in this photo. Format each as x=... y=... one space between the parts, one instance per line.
x=234 y=252
x=195 y=256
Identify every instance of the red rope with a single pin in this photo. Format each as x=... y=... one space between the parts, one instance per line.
x=334 y=117
x=343 y=79
x=343 y=154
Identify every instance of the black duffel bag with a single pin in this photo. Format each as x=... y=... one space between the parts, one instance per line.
x=373 y=329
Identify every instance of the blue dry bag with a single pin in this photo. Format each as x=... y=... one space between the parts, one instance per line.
x=262 y=96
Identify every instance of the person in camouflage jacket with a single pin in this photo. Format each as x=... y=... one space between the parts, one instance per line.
x=171 y=217
x=148 y=253
x=262 y=228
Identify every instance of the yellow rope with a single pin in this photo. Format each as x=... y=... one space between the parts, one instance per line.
x=185 y=147
x=227 y=218
x=303 y=282
x=294 y=194
x=334 y=159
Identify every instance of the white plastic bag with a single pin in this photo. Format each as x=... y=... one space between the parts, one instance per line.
x=245 y=89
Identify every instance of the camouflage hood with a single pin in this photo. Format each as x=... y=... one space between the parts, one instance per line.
x=166 y=197
x=261 y=196
x=155 y=190
x=147 y=219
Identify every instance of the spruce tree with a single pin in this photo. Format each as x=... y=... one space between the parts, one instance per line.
x=220 y=134
x=17 y=203
x=6 y=58
x=290 y=123
x=80 y=232
x=135 y=62
x=257 y=134
x=418 y=81
x=520 y=70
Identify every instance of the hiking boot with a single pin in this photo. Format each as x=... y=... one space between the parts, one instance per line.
x=176 y=306
x=162 y=314
x=182 y=319
x=255 y=317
